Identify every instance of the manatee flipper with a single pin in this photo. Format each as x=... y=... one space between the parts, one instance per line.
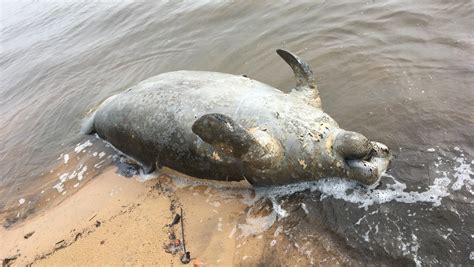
x=305 y=81
x=224 y=134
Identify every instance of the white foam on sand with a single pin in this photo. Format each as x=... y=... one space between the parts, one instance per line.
x=66 y=158
x=80 y=174
x=278 y=209
x=77 y=173
x=63 y=177
x=59 y=186
x=79 y=147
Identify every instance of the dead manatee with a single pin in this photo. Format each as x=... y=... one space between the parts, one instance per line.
x=229 y=127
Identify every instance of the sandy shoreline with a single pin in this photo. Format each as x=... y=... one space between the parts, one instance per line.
x=113 y=220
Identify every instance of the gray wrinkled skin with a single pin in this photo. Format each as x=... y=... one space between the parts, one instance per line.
x=228 y=127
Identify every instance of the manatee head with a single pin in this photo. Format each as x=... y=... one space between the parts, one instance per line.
x=359 y=158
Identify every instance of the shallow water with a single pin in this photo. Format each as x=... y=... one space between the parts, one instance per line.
x=401 y=73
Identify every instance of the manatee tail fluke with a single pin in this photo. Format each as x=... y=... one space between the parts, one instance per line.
x=303 y=73
x=87 y=126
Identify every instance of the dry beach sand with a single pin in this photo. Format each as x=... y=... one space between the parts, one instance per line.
x=113 y=220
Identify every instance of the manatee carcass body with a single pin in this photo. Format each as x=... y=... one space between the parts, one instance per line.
x=229 y=127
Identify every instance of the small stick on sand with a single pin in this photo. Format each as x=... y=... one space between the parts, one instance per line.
x=186 y=258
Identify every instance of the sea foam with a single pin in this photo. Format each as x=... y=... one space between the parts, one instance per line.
x=353 y=192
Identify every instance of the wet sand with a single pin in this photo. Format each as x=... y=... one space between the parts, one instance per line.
x=115 y=220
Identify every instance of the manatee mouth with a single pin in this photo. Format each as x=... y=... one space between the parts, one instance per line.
x=369 y=170
x=365 y=161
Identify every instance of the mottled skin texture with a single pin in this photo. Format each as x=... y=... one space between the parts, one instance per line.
x=228 y=127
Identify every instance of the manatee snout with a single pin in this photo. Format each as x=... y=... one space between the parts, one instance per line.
x=365 y=160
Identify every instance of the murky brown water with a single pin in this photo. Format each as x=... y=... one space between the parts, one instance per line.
x=400 y=72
